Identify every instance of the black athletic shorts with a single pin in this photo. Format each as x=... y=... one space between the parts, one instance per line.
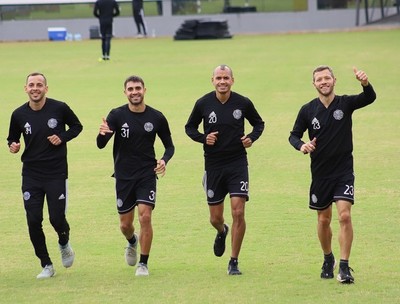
x=132 y=192
x=218 y=183
x=324 y=192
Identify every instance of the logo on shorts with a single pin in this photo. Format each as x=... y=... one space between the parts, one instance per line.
x=338 y=114
x=314 y=198
x=210 y=193
x=148 y=126
x=52 y=123
x=119 y=203
x=237 y=114
x=27 y=195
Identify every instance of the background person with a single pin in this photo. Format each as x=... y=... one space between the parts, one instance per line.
x=42 y=122
x=105 y=11
x=138 y=17
x=223 y=113
x=328 y=120
x=135 y=126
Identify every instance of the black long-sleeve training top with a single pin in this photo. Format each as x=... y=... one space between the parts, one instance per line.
x=135 y=134
x=40 y=158
x=332 y=128
x=229 y=120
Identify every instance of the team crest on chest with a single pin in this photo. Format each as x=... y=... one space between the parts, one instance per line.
x=237 y=114
x=52 y=123
x=338 y=114
x=148 y=126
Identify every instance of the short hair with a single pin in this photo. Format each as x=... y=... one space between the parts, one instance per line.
x=322 y=68
x=133 y=78
x=36 y=74
x=223 y=67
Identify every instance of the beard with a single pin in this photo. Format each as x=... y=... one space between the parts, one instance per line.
x=326 y=91
x=136 y=102
x=36 y=97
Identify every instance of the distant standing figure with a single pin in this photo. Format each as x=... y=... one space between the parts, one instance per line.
x=138 y=16
x=105 y=11
x=42 y=122
x=328 y=122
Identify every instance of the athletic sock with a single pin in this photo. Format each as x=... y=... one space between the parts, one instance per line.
x=344 y=263
x=233 y=261
x=133 y=240
x=328 y=257
x=144 y=258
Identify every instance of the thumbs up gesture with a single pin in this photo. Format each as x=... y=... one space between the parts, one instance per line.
x=361 y=76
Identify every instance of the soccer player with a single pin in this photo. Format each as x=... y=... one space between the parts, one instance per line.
x=105 y=11
x=223 y=113
x=328 y=120
x=42 y=122
x=135 y=126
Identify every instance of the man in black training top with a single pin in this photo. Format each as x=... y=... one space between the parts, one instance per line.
x=135 y=126
x=42 y=122
x=328 y=120
x=105 y=11
x=223 y=113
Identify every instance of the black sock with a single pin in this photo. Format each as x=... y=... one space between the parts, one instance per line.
x=144 y=258
x=344 y=263
x=233 y=261
x=329 y=257
x=133 y=240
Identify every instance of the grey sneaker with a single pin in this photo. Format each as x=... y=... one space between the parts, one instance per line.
x=67 y=255
x=219 y=243
x=142 y=270
x=131 y=252
x=47 y=272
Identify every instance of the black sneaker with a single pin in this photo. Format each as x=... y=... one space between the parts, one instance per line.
x=327 y=269
x=345 y=276
x=219 y=243
x=233 y=268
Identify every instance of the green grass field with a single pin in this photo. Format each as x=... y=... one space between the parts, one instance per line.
x=281 y=256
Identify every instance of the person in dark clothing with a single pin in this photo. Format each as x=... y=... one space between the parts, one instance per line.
x=42 y=122
x=328 y=120
x=135 y=126
x=223 y=113
x=105 y=11
x=138 y=16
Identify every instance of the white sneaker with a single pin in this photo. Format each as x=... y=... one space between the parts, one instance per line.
x=47 y=272
x=131 y=252
x=142 y=270
x=67 y=255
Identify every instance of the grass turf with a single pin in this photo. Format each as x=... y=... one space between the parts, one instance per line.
x=280 y=257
